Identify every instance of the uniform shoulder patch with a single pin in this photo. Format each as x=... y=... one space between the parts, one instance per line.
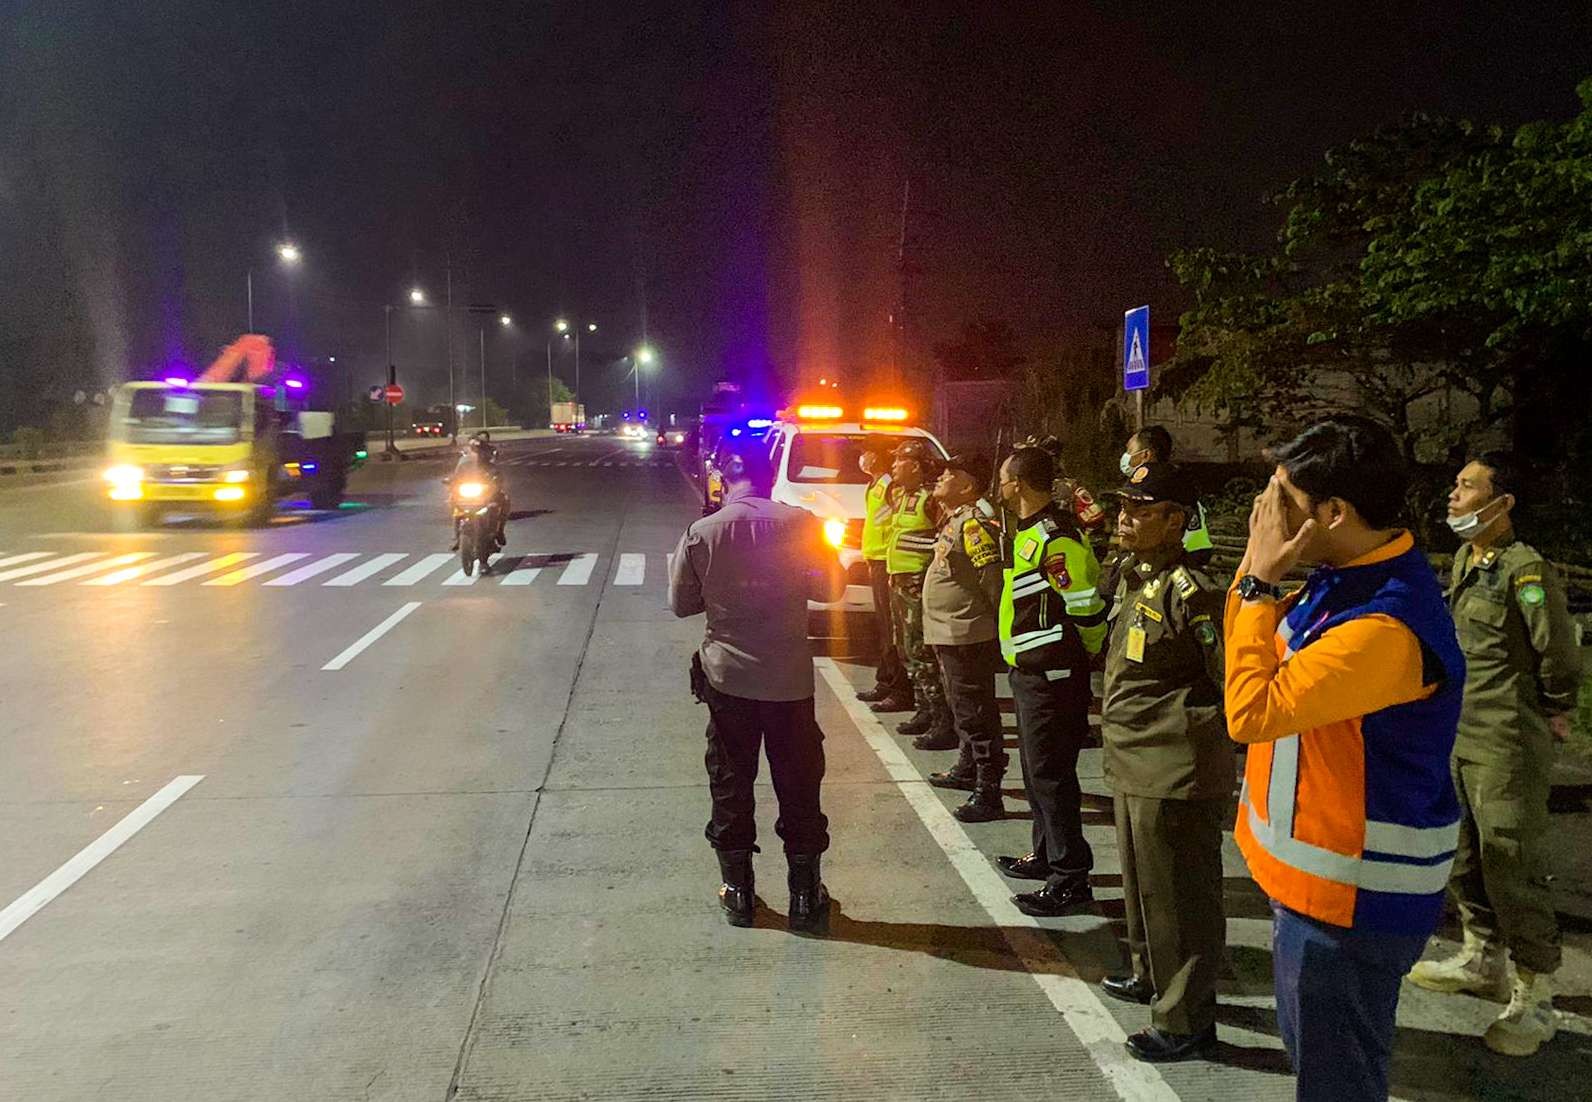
x=1186 y=585
x=1205 y=631
x=1056 y=570
x=978 y=543
x=1532 y=594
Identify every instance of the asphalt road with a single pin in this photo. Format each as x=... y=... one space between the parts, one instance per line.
x=302 y=813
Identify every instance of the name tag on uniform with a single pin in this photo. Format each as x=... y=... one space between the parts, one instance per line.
x=1135 y=650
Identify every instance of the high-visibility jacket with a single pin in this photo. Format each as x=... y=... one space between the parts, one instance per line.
x=1197 y=536
x=1349 y=692
x=914 y=522
x=1052 y=616
x=876 y=520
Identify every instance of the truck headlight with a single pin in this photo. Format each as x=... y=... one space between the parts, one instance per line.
x=235 y=476
x=835 y=532
x=126 y=482
x=229 y=493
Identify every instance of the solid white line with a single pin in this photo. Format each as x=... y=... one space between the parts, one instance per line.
x=202 y=569
x=41 y=567
x=1076 y=1000
x=310 y=570
x=370 y=637
x=29 y=557
x=36 y=898
x=89 y=568
x=525 y=571
x=420 y=569
x=578 y=572
x=632 y=569
x=238 y=577
x=366 y=569
x=143 y=568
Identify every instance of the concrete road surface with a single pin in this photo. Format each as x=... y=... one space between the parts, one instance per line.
x=303 y=813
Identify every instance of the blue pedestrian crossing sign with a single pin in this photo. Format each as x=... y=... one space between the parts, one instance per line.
x=1136 y=349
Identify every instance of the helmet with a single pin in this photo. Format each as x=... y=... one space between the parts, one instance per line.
x=918 y=449
x=481 y=447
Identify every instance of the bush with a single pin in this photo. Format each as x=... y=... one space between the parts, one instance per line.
x=30 y=440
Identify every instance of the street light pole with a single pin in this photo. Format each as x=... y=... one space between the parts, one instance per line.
x=392 y=377
x=483 y=377
x=249 y=281
x=453 y=402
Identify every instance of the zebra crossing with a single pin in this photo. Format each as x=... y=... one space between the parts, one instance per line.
x=657 y=462
x=336 y=569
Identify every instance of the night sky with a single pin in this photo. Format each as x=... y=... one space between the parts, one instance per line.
x=723 y=179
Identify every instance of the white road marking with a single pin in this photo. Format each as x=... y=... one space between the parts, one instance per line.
x=237 y=577
x=578 y=572
x=202 y=569
x=459 y=577
x=366 y=569
x=36 y=898
x=632 y=569
x=310 y=570
x=1076 y=1000
x=420 y=569
x=143 y=568
x=370 y=637
x=525 y=571
x=41 y=567
x=28 y=557
x=88 y=568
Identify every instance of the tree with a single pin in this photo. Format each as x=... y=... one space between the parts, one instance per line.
x=985 y=349
x=1432 y=260
x=539 y=403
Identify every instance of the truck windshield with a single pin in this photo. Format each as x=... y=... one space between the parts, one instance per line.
x=832 y=459
x=184 y=417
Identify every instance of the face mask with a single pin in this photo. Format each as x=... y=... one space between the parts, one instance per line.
x=1470 y=523
x=1126 y=463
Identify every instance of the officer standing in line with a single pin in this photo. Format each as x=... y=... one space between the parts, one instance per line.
x=752 y=566
x=915 y=518
x=891 y=683
x=961 y=621
x=1153 y=444
x=1069 y=492
x=1170 y=765
x=1052 y=624
x=1523 y=674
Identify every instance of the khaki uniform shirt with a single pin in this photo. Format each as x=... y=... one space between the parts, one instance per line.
x=1521 y=654
x=1161 y=716
x=962 y=587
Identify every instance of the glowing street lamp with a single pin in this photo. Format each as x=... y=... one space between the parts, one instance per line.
x=505 y=320
x=289 y=252
x=417 y=297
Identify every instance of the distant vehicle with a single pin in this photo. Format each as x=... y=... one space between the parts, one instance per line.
x=673 y=437
x=568 y=417
x=476 y=512
x=634 y=430
x=814 y=452
x=234 y=449
x=429 y=428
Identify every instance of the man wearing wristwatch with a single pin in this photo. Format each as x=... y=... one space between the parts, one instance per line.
x=1348 y=695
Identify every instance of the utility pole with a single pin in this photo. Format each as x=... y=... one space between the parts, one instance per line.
x=453 y=402
x=898 y=320
x=249 y=282
x=483 y=376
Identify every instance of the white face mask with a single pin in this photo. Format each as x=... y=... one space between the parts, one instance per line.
x=1469 y=524
x=1126 y=463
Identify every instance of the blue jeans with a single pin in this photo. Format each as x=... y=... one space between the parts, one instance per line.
x=1337 y=997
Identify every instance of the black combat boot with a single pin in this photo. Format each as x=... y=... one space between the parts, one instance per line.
x=940 y=736
x=962 y=776
x=894 y=702
x=983 y=806
x=737 y=895
x=809 y=899
x=922 y=719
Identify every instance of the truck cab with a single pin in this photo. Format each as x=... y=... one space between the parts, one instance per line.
x=230 y=449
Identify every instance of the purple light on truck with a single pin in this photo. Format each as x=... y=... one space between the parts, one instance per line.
x=175 y=380
x=295 y=384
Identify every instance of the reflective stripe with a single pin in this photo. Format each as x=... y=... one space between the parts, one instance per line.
x=1407 y=841
x=1055 y=635
x=1024 y=636
x=1285 y=631
x=1281 y=789
x=1079 y=596
x=1028 y=585
x=1057 y=675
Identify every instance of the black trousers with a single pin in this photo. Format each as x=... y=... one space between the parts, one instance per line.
x=788 y=732
x=1052 y=727
x=969 y=674
x=891 y=672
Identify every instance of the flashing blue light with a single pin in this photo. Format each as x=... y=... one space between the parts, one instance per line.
x=310 y=467
x=760 y=423
x=642 y=415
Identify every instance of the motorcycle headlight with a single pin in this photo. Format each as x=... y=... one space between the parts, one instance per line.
x=471 y=490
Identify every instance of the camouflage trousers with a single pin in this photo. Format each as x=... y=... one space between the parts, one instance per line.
x=906 y=623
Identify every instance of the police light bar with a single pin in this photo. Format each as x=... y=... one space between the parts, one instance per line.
x=884 y=413
x=819 y=413
x=760 y=423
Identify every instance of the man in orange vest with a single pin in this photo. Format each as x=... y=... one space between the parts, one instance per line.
x=1348 y=695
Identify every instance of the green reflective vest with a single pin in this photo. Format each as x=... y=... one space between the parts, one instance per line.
x=1197 y=536
x=1052 y=616
x=877 y=520
x=912 y=531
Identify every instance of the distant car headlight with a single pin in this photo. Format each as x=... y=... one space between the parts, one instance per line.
x=471 y=490
x=835 y=532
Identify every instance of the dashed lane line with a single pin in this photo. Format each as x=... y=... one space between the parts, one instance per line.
x=632 y=569
x=578 y=572
x=353 y=650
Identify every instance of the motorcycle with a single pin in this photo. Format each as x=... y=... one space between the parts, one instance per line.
x=475 y=521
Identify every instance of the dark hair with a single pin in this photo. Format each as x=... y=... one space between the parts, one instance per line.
x=1033 y=467
x=749 y=463
x=1158 y=440
x=1352 y=458
x=1507 y=472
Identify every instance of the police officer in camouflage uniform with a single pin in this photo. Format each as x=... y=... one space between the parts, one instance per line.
x=1170 y=766
x=1523 y=673
x=915 y=518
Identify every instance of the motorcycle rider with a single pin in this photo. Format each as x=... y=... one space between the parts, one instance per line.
x=479 y=460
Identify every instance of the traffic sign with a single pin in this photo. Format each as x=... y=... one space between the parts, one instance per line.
x=1136 y=349
x=377 y=393
x=393 y=393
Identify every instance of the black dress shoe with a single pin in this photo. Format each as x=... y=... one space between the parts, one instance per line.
x=1130 y=989
x=1157 y=1047
x=920 y=724
x=1026 y=867
x=936 y=740
x=1055 y=902
x=983 y=806
x=892 y=704
x=873 y=695
x=962 y=782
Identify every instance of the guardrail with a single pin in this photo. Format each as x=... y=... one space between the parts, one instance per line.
x=21 y=468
